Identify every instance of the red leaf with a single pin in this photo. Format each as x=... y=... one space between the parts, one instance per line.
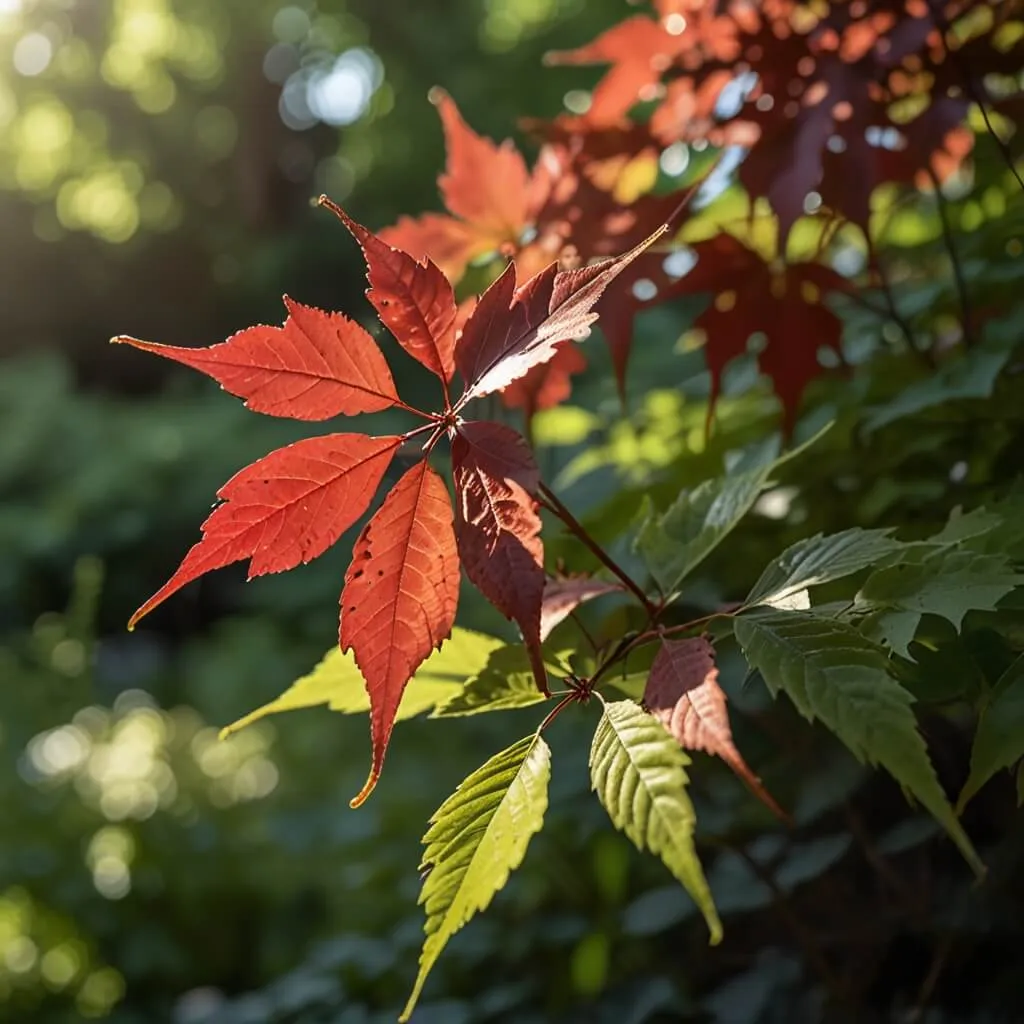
x=498 y=526
x=682 y=692
x=512 y=330
x=547 y=385
x=414 y=300
x=286 y=508
x=316 y=366
x=563 y=596
x=782 y=301
x=400 y=596
x=450 y=243
x=484 y=184
x=638 y=49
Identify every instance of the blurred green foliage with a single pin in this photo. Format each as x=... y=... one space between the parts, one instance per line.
x=151 y=183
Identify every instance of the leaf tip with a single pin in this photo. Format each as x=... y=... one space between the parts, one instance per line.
x=368 y=787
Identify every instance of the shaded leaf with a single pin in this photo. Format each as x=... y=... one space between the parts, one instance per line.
x=832 y=673
x=817 y=560
x=999 y=741
x=683 y=693
x=337 y=682
x=563 y=596
x=514 y=329
x=546 y=385
x=675 y=542
x=498 y=526
x=477 y=837
x=316 y=366
x=286 y=508
x=506 y=681
x=949 y=583
x=401 y=592
x=639 y=773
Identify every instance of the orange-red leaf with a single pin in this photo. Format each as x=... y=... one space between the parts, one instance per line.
x=286 y=508
x=512 y=330
x=683 y=693
x=563 y=596
x=483 y=183
x=316 y=366
x=450 y=243
x=498 y=526
x=400 y=596
x=415 y=301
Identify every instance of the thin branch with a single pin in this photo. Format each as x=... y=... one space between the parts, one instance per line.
x=571 y=696
x=975 y=88
x=552 y=502
x=875 y=261
x=954 y=259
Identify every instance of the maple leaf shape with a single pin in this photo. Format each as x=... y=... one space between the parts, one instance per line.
x=683 y=693
x=784 y=301
x=487 y=189
x=498 y=526
x=400 y=596
x=316 y=366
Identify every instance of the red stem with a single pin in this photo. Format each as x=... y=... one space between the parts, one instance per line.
x=580 y=531
x=557 y=709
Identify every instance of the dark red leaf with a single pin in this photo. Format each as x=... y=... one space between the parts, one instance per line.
x=511 y=331
x=286 y=508
x=400 y=596
x=782 y=301
x=316 y=366
x=682 y=692
x=498 y=526
x=547 y=385
x=563 y=596
x=414 y=300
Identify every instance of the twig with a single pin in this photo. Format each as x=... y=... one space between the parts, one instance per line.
x=551 y=500
x=954 y=259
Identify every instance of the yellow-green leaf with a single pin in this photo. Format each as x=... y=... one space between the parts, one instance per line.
x=338 y=683
x=477 y=837
x=639 y=772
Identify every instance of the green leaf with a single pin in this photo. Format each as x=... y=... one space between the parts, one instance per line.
x=972 y=376
x=338 y=683
x=639 y=772
x=832 y=673
x=818 y=560
x=476 y=838
x=949 y=583
x=673 y=544
x=506 y=681
x=999 y=741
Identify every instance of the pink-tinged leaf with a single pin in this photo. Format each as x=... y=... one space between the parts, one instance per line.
x=316 y=366
x=400 y=596
x=547 y=385
x=512 y=330
x=414 y=300
x=562 y=597
x=682 y=692
x=286 y=508
x=497 y=526
x=485 y=184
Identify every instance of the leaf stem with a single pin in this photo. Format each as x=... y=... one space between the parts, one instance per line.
x=557 y=709
x=552 y=502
